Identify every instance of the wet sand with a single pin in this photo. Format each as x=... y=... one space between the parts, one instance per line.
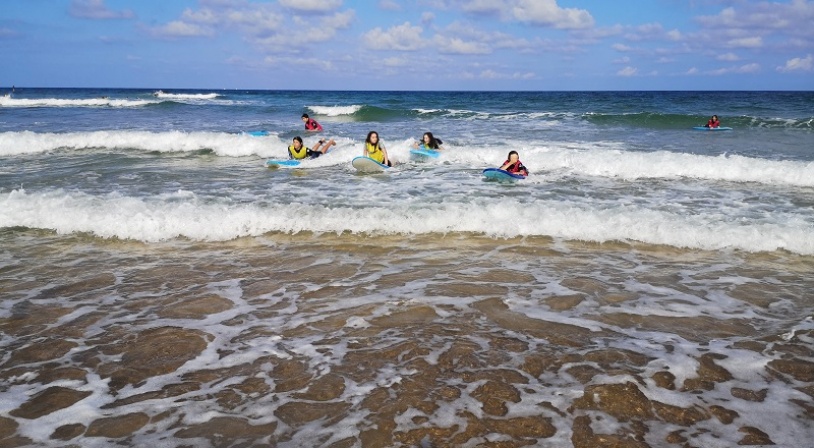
x=433 y=341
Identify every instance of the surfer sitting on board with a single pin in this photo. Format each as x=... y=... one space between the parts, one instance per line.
x=298 y=151
x=514 y=165
x=375 y=150
x=429 y=142
x=310 y=123
x=713 y=122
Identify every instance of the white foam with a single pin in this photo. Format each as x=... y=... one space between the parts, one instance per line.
x=224 y=144
x=185 y=214
x=334 y=111
x=65 y=102
x=186 y=96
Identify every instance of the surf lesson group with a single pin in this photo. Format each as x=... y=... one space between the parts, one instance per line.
x=375 y=158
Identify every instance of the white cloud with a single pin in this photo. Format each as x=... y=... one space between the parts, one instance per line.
x=535 y=12
x=743 y=69
x=471 y=32
x=729 y=57
x=491 y=74
x=178 y=28
x=646 y=32
x=311 y=5
x=396 y=62
x=265 y=25
x=794 y=17
x=622 y=60
x=805 y=64
x=273 y=61
x=674 y=35
x=748 y=68
x=206 y=16
x=96 y=9
x=548 y=13
x=427 y=18
x=484 y=6
x=289 y=38
x=404 y=37
x=692 y=71
x=455 y=45
x=746 y=42
x=621 y=47
x=627 y=71
x=389 y=5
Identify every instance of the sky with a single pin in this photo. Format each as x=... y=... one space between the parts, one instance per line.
x=529 y=45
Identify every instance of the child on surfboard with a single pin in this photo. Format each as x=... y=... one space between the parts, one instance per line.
x=375 y=149
x=514 y=165
x=310 y=123
x=429 y=142
x=298 y=151
x=713 y=122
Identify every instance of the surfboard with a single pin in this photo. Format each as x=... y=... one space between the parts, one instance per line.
x=424 y=153
x=258 y=133
x=498 y=174
x=367 y=165
x=285 y=162
x=704 y=128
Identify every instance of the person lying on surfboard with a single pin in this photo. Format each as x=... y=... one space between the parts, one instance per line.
x=298 y=151
x=429 y=142
x=375 y=150
x=310 y=123
x=713 y=122
x=514 y=165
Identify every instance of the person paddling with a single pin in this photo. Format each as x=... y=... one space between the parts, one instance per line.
x=514 y=165
x=375 y=149
x=298 y=151
x=310 y=123
x=429 y=142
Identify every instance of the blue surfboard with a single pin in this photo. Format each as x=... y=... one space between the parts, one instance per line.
x=285 y=162
x=502 y=175
x=423 y=153
x=258 y=133
x=704 y=128
x=367 y=165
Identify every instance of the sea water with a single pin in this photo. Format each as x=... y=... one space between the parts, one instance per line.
x=647 y=283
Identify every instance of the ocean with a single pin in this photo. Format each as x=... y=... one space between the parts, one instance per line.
x=648 y=285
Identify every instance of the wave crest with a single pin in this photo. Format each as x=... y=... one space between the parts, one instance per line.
x=183 y=214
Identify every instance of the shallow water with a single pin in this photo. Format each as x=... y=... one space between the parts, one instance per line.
x=435 y=340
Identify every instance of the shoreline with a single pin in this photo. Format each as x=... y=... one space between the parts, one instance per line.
x=346 y=341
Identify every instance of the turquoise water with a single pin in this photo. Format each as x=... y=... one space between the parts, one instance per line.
x=153 y=266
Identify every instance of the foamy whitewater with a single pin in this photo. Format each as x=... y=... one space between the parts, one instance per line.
x=640 y=262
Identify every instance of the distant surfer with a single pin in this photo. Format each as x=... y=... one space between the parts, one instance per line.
x=375 y=150
x=713 y=122
x=514 y=165
x=298 y=151
x=429 y=142
x=310 y=123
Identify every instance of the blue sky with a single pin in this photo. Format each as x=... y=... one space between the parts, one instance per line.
x=409 y=45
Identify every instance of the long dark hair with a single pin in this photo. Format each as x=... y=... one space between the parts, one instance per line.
x=434 y=142
x=378 y=140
